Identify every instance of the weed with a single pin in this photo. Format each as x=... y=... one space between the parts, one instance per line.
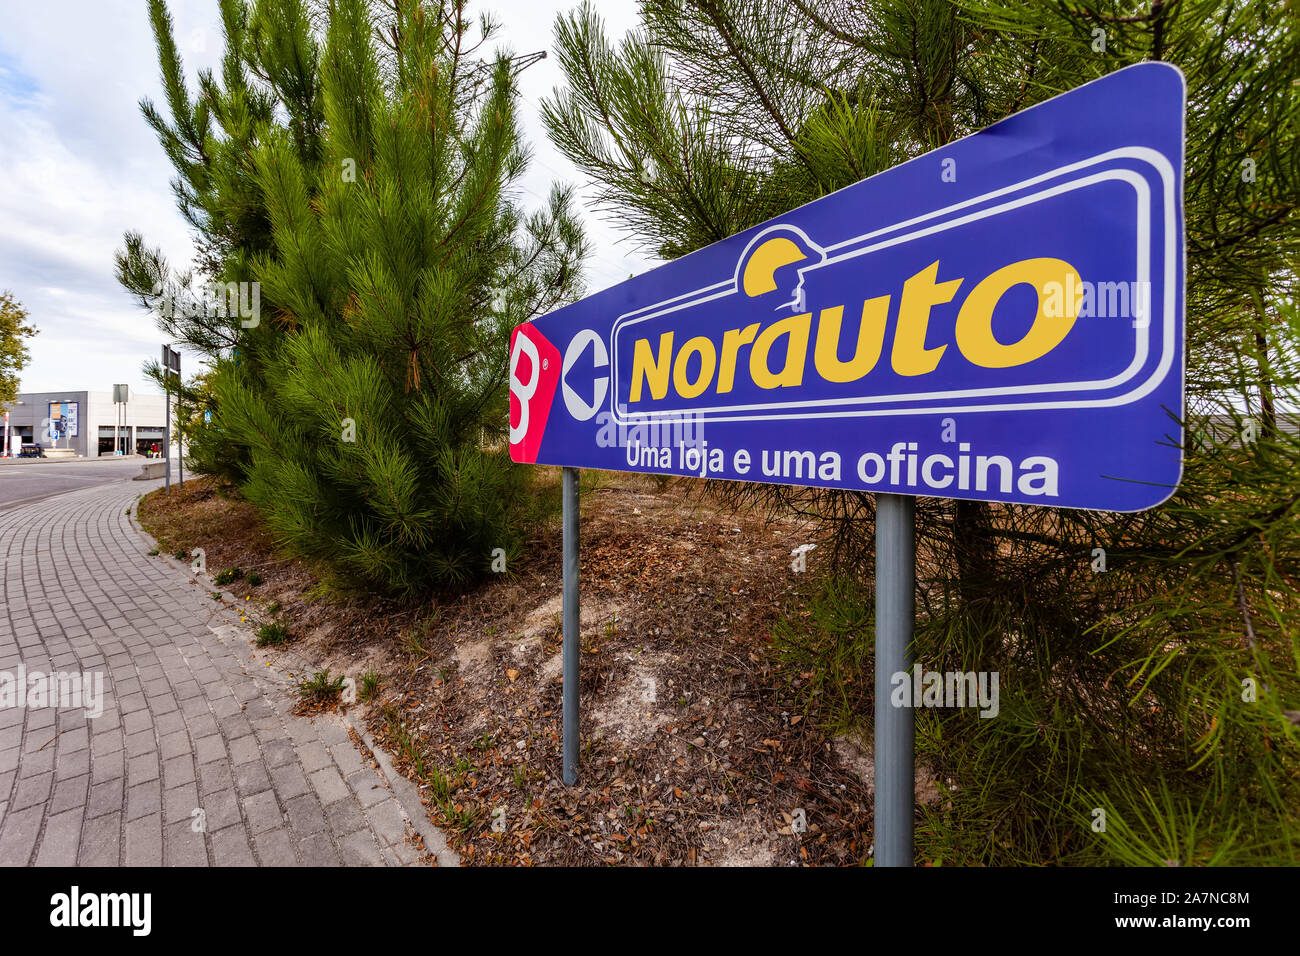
x=406 y=745
x=153 y=552
x=316 y=592
x=461 y=816
x=831 y=648
x=459 y=773
x=320 y=687
x=414 y=642
x=369 y=684
x=229 y=575
x=439 y=786
x=253 y=579
x=273 y=633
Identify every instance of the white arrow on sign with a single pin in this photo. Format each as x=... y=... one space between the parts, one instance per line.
x=574 y=402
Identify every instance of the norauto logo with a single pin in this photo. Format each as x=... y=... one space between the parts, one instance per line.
x=998 y=302
x=534 y=372
x=778 y=349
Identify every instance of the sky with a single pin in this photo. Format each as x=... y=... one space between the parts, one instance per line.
x=79 y=167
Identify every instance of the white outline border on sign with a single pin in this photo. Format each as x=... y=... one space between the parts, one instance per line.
x=852 y=247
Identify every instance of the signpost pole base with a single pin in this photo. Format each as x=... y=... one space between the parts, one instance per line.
x=167 y=443
x=570 y=620
x=895 y=730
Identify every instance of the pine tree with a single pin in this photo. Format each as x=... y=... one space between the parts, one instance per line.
x=355 y=161
x=1164 y=689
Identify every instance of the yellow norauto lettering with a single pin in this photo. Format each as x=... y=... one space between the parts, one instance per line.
x=920 y=294
x=843 y=356
x=653 y=370
x=732 y=340
x=974 y=332
x=708 y=361
x=871 y=339
x=796 y=329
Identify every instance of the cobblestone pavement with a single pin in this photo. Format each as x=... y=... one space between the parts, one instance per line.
x=196 y=758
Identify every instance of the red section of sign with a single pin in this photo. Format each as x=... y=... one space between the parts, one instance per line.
x=534 y=374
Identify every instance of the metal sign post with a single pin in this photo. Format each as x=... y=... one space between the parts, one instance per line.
x=572 y=643
x=167 y=434
x=121 y=394
x=895 y=726
x=1000 y=319
x=180 y=438
x=171 y=362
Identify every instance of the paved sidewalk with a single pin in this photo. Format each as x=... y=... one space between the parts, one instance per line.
x=195 y=729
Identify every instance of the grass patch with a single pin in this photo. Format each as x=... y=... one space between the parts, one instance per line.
x=442 y=786
x=272 y=634
x=369 y=685
x=229 y=575
x=320 y=688
x=830 y=647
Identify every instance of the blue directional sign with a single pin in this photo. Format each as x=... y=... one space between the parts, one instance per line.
x=1000 y=319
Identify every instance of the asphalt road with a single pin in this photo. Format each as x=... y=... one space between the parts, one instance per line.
x=28 y=480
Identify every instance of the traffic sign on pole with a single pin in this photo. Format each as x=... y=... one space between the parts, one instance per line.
x=1001 y=319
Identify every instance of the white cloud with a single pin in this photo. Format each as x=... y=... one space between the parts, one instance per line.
x=79 y=166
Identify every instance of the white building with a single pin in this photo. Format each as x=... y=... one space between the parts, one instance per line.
x=94 y=417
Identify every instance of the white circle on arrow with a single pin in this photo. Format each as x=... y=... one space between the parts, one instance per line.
x=574 y=402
